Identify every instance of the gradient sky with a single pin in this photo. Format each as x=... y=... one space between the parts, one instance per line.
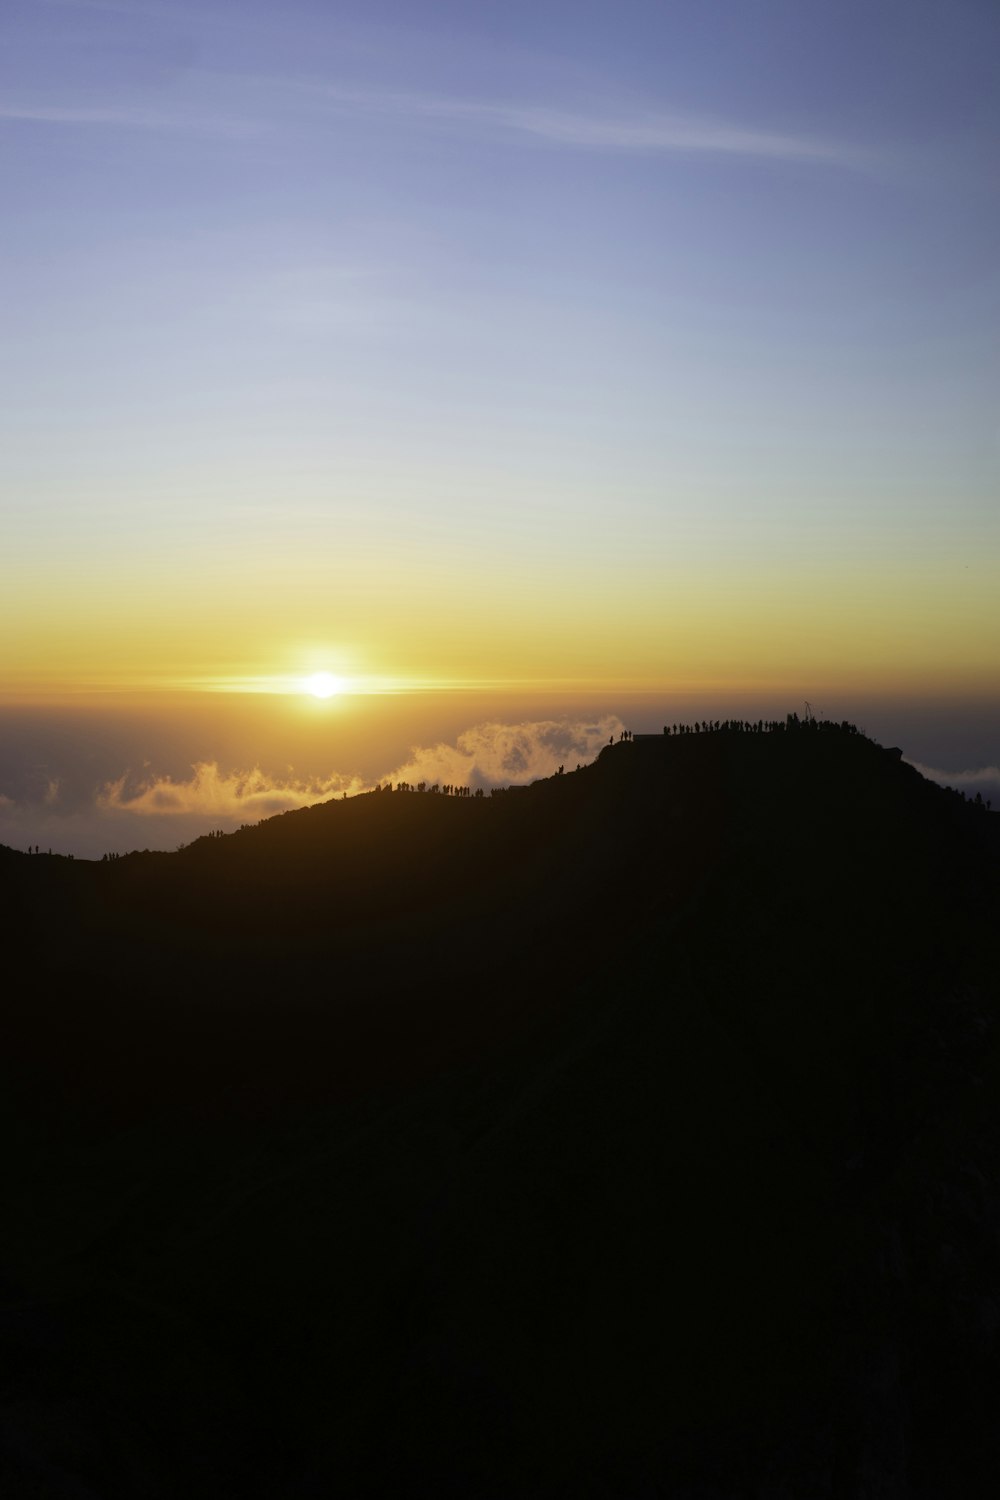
x=526 y=341
x=535 y=367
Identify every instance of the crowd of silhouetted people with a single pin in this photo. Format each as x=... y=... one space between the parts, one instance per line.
x=764 y=726
x=421 y=786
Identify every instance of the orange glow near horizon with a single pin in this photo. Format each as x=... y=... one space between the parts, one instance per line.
x=863 y=626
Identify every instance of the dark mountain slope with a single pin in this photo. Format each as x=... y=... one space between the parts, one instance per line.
x=632 y=1134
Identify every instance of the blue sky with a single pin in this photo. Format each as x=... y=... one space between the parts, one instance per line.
x=635 y=244
x=775 y=211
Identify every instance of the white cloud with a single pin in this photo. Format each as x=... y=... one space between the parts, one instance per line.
x=494 y=754
x=246 y=795
x=489 y=754
x=985 y=779
x=159 y=811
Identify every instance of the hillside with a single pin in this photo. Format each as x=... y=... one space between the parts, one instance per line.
x=631 y=1134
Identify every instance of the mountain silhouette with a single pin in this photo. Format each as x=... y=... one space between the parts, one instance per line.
x=630 y=1134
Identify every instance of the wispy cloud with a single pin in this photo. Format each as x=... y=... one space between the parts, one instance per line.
x=180 y=117
x=259 y=103
x=649 y=132
x=119 y=7
x=123 y=6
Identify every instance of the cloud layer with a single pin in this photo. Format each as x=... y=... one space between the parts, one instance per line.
x=247 y=795
x=494 y=754
x=985 y=780
x=158 y=811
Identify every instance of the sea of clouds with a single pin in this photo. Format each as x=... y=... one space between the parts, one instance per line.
x=152 y=810
x=67 y=802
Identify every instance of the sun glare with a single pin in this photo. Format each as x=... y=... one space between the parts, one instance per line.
x=323 y=685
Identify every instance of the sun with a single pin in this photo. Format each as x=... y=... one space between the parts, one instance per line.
x=323 y=685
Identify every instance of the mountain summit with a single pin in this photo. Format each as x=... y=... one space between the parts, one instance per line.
x=629 y=1134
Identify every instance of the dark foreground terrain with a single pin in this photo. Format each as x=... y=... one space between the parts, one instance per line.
x=633 y=1135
